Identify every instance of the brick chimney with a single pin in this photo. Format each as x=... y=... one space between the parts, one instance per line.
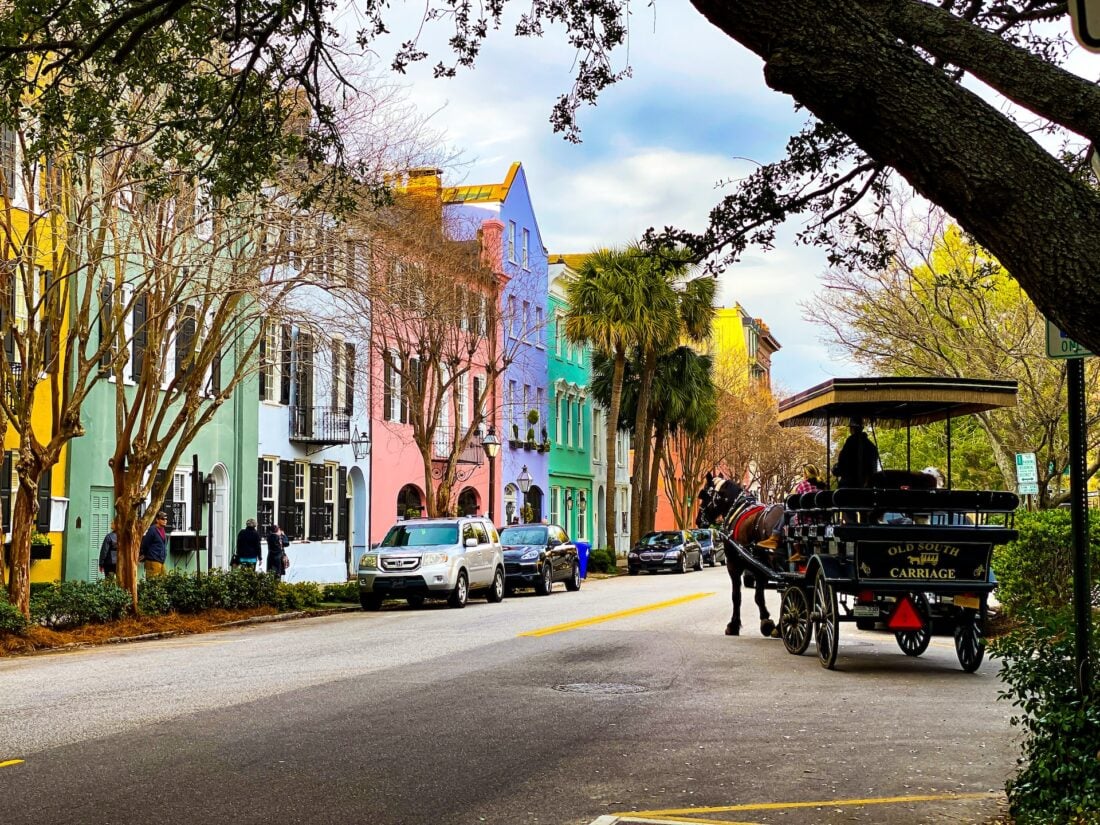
x=492 y=244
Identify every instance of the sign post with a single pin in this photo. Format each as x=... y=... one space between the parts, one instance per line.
x=1027 y=474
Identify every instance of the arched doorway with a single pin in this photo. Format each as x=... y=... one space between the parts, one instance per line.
x=359 y=533
x=601 y=518
x=510 y=511
x=534 y=499
x=219 y=528
x=410 y=502
x=469 y=502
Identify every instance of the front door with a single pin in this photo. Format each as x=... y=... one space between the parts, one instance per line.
x=219 y=528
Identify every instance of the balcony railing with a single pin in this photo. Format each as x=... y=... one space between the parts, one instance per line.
x=444 y=439
x=320 y=425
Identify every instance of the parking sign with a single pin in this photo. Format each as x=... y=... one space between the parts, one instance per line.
x=1027 y=472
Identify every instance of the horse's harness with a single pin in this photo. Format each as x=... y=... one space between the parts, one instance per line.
x=742 y=502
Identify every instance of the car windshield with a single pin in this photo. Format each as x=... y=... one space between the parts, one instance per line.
x=663 y=537
x=421 y=535
x=523 y=535
x=702 y=536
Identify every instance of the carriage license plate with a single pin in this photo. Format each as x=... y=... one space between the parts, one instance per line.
x=967 y=601
x=864 y=610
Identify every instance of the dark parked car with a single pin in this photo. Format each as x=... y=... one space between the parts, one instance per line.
x=714 y=551
x=537 y=555
x=665 y=550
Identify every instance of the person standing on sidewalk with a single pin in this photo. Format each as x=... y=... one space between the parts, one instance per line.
x=249 y=546
x=277 y=542
x=154 y=546
x=108 y=553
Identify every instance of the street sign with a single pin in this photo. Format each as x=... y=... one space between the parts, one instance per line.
x=1085 y=15
x=1029 y=489
x=1059 y=345
x=1026 y=470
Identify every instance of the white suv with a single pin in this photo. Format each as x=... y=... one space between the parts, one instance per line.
x=442 y=558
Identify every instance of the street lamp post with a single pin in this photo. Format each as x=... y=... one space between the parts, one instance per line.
x=524 y=481
x=491 y=444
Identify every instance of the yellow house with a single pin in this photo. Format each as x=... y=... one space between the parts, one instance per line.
x=33 y=237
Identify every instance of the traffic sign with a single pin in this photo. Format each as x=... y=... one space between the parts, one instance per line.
x=1026 y=470
x=1029 y=489
x=1085 y=15
x=1060 y=345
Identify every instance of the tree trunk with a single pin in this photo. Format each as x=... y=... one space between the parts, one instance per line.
x=955 y=149
x=24 y=515
x=612 y=430
x=650 y=501
x=639 y=495
x=129 y=527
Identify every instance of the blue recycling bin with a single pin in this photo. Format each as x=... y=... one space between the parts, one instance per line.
x=582 y=556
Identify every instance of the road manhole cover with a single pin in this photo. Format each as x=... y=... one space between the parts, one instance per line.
x=601 y=688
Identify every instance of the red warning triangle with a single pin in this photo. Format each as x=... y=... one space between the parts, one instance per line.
x=905 y=616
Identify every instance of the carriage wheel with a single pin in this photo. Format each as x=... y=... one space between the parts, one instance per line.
x=969 y=642
x=915 y=642
x=826 y=621
x=794 y=620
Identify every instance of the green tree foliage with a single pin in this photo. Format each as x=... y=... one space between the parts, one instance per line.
x=943 y=306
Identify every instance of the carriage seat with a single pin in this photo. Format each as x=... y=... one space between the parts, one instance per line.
x=902 y=480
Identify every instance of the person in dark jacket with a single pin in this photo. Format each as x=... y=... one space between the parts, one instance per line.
x=108 y=553
x=249 y=546
x=858 y=458
x=277 y=542
x=154 y=546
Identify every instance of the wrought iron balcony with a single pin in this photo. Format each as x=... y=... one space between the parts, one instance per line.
x=320 y=425
x=444 y=439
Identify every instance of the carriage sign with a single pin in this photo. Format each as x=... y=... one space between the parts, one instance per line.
x=1085 y=15
x=1060 y=345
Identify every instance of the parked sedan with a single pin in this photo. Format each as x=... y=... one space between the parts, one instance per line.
x=714 y=551
x=665 y=550
x=537 y=555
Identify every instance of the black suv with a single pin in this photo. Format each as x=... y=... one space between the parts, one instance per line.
x=537 y=555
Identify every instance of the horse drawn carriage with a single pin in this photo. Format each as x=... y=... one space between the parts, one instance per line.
x=900 y=550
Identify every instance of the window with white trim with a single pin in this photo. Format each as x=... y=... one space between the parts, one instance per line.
x=569 y=421
x=525 y=326
x=512 y=241
x=330 y=500
x=555 y=508
x=462 y=395
x=540 y=337
x=579 y=420
x=269 y=362
x=559 y=415
x=559 y=332
x=511 y=413
x=513 y=317
x=181 y=500
x=526 y=243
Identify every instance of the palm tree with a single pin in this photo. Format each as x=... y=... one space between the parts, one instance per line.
x=609 y=310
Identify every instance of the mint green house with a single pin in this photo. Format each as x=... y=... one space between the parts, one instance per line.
x=572 y=438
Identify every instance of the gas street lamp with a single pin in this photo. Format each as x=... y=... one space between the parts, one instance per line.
x=491 y=444
x=524 y=480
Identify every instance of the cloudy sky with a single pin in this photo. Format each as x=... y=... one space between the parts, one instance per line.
x=695 y=112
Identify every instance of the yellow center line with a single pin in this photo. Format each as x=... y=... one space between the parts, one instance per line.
x=610 y=617
x=11 y=762
x=776 y=806
x=675 y=820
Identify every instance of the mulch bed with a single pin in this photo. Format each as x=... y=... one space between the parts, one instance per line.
x=37 y=639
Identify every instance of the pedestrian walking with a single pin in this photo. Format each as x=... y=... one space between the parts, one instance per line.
x=108 y=553
x=154 y=546
x=249 y=546
x=277 y=542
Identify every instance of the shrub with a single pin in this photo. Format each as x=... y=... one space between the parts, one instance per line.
x=72 y=603
x=1059 y=780
x=602 y=560
x=153 y=596
x=297 y=596
x=185 y=592
x=246 y=588
x=343 y=592
x=1036 y=570
x=11 y=619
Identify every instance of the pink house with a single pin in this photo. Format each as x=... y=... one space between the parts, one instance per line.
x=415 y=358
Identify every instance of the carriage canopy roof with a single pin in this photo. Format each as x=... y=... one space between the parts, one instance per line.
x=894 y=401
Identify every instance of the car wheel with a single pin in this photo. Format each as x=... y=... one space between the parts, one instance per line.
x=461 y=593
x=632 y=571
x=371 y=601
x=496 y=589
x=712 y=561
x=698 y=564
x=415 y=600
x=545 y=585
x=682 y=567
x=573 y=583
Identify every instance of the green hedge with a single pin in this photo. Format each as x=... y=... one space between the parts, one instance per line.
x=1059 y=779
x=602 y=560
x=1036 y=570
x=343 y=592
x=297 y=596
x=11 y=619
x=73 y=603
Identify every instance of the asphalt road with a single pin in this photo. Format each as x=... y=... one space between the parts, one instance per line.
x=454 y=716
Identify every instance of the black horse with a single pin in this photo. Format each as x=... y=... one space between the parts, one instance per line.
x=719 y=502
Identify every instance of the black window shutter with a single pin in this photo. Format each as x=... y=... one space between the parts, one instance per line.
x=284 y=366
x=349 y=379
x=263 y=360
x=286 y=499
x=5 y=491
x=42 y=521
x=260 y=481
x=196 y=501
x=216 y=373
x=185 y=342
x=387 y=387
x=342 y=505
x=141 y=313
x=105 y=324
x=316 y=502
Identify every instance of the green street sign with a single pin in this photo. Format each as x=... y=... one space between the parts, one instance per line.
x=1059 y=345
